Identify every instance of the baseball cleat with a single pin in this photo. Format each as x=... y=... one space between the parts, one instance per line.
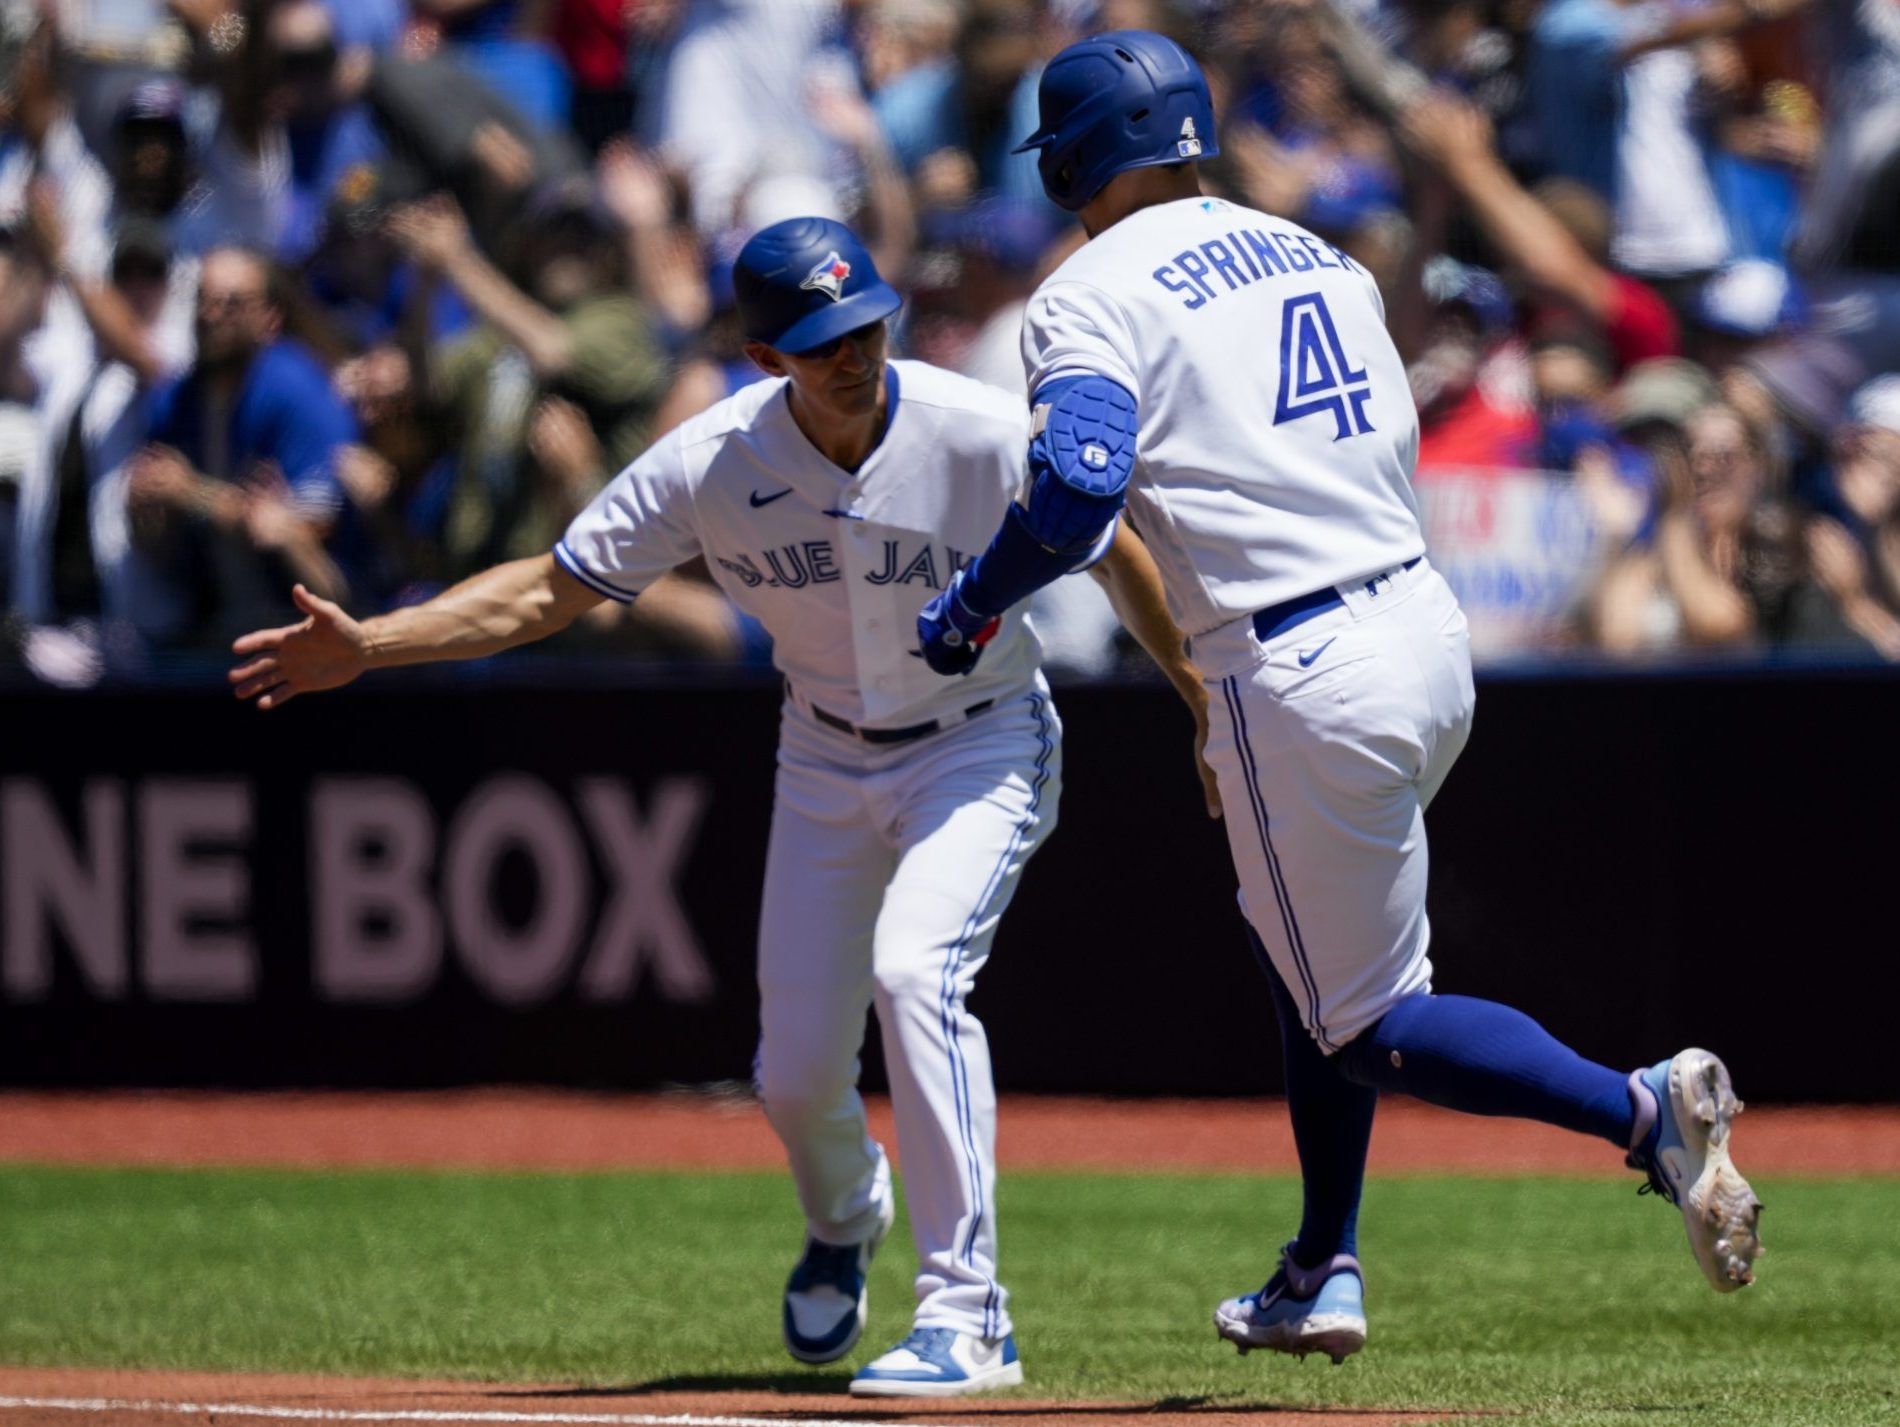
x=940 y=1362
x=826 y=1297
x=1301 y=1311
x=1686 y=1159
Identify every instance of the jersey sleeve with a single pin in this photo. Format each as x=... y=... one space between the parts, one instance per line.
x=1072 y=329
x=637 y=528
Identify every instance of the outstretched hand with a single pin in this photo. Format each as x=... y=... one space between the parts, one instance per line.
x=325 y=651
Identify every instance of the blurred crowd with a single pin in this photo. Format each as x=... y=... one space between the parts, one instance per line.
x=369 y=294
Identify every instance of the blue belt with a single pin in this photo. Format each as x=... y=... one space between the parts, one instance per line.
x=1276 y=619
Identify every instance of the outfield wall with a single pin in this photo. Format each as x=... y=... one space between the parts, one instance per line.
x=439 y=882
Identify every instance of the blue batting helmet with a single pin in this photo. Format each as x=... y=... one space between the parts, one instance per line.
x=1115 y=101
x=804 y=281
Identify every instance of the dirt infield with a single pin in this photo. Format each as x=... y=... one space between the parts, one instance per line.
x=70 y=1396
x=516 y=1129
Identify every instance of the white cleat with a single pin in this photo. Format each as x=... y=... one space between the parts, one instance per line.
x=1689 y=1165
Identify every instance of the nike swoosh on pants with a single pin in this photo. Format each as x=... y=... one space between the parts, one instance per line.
x=1307 y=656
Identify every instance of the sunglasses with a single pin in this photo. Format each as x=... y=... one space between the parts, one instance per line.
x=824 y=351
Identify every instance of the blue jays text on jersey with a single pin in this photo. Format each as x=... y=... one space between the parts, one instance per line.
x=834 y=563
x=815 y=562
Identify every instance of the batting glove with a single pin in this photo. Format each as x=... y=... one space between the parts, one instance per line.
x=951 y=635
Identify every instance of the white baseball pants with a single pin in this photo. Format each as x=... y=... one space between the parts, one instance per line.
x=1328 y=743
x=887 y=872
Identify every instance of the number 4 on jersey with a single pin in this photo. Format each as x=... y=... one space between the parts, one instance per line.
x=1315 y=375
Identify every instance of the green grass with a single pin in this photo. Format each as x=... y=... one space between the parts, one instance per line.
x=1567 y=1301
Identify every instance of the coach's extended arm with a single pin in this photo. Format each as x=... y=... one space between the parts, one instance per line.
x=511 y=604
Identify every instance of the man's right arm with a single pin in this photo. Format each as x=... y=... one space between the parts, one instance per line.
x=499 y=608
x=1455 y=136
x=515 y=603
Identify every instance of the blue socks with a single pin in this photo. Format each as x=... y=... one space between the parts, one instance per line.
x=1332 y=1127
x=1456 y=1051
x=1487 y=1059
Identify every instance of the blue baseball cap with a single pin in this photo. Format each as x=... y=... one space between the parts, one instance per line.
x=804 y=281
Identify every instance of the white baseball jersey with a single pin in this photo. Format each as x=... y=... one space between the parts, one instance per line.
x=835 y=564
x=1277 y=440
x=1277 y=432
x=889 y=865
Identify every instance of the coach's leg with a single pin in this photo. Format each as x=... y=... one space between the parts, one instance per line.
x=826 y=867
x=973 y=810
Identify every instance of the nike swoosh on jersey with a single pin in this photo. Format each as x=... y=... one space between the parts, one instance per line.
x=1307 y=656
x=759 y=500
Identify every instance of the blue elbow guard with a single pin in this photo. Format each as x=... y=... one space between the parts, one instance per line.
x=1081 y=454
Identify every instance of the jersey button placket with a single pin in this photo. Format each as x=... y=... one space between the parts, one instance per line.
x=875 y=635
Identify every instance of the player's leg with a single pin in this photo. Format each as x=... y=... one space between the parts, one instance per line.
x=1332 y=1129
x=826 y=865
x=967 y=813
x=1672 y=1120
x=1336 y=762
x=1313 y=1302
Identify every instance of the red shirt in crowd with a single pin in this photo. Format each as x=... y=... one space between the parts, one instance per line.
x=1640 y=324
x=592 y=37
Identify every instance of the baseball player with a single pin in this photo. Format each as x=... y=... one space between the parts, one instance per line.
x=1228 y=376
x=830 y=503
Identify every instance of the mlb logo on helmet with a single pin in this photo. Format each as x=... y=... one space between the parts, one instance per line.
x=1189 y=146
x=828 y=276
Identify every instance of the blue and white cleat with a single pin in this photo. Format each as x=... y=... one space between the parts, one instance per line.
x=1301 y=1311
x=826 y=1298
x=1686 y=1158
x=940 y=1362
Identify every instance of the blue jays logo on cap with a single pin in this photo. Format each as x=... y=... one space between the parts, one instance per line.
x=800 y=283
x=828 y=276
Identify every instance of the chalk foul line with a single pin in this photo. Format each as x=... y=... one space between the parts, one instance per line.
x=417 y=1414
